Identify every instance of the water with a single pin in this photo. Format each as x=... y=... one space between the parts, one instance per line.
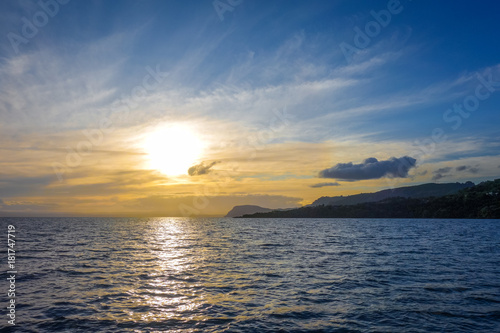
x=255 y=275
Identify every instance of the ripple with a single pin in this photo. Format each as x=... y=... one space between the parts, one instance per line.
x=238 y=275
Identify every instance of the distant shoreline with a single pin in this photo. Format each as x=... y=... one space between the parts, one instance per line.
x=481 y=201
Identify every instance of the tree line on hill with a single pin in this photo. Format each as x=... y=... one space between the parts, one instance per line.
x=481 y=201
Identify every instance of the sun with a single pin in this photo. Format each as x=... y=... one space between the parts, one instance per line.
x=173 y=149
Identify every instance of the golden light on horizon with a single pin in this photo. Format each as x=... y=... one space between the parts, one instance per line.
x=173 y=149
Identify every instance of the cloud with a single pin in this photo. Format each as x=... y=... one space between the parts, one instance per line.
x=441 y=173
x=324 y=184
x=468 y=168
x=200 y=169
x=447 y=171
x=443 y=170
x=11 y=186
x=371 y=168
x=27 y=208
x=438 y=176
x=46 y=87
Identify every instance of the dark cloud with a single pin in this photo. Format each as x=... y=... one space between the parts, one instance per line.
x=371 y=168
x=423 y=173
x=447 y=171
x=441 y=173
x=324 y=184
x=438 y=176
x=468 y=168
x=200 y=169
x=443 y=170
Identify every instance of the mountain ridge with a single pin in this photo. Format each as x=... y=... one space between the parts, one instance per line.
x=415 y=191
x=481 y=201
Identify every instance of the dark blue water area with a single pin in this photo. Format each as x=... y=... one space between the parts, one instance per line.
x=253 y=275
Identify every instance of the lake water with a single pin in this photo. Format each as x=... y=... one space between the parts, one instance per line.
x=254 y=275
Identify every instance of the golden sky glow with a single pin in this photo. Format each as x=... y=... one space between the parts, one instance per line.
x=116 y=177
x=168 y=111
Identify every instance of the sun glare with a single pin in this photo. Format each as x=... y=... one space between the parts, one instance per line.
x=173 y=149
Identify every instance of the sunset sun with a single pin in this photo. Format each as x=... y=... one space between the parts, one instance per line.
x=173 y=149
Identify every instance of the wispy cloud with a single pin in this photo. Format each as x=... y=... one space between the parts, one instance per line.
x=318 y=185
x=45 y=88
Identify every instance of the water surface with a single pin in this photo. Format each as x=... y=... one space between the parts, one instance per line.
x=256 y=275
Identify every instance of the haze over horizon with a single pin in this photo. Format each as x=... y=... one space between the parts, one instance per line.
x=144 y=108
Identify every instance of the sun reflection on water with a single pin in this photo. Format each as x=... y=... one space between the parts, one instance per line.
x=170 y=289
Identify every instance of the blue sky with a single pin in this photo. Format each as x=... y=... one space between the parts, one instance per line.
x=268 y=89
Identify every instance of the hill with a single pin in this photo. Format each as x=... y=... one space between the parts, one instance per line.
x=246 y=209
x=479 y=201
x=418 y=191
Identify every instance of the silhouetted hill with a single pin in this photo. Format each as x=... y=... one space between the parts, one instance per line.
x=246 y=209
x=418 y=191
x=480 y=201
